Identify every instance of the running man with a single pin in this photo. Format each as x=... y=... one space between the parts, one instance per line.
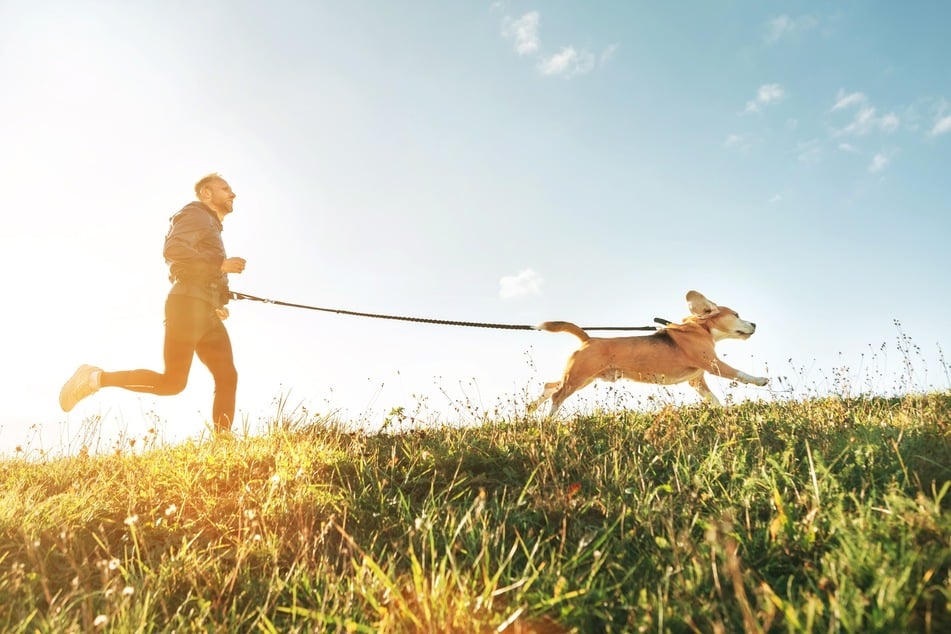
x=194 y=310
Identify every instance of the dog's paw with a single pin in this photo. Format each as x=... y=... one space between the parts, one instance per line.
x=760 y=381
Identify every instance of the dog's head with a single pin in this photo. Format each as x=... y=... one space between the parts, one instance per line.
x=723 y=322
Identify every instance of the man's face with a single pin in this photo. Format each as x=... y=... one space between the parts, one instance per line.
x=218 y=196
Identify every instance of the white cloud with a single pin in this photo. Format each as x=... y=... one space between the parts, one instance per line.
x=766 y=95
x=879 y=161
x=739 y=142
x=847 y=147
x=776 y=198
x=524 y=31
x=941 y=126
x=607 y=54
x=889 y=122
x=847 y=100
x=863 y=122
x=809 y=151
x=527 y=282
x=567 y=62
x=866 y=118
x=783 y=25
x=733 y=140
x=928 y=114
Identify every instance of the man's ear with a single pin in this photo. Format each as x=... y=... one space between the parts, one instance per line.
x=700 y=305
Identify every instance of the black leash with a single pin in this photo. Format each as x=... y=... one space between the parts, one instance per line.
x=423 y=320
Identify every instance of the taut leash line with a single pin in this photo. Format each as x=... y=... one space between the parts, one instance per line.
x=425 y=320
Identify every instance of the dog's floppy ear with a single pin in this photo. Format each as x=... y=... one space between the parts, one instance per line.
x=700 y=305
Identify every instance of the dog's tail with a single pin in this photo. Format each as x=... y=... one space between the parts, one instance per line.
x=563 y=326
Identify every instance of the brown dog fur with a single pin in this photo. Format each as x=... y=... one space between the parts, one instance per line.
x=674 y=354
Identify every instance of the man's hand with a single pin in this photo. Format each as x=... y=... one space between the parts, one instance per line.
x=232 y=265
x=222 y=313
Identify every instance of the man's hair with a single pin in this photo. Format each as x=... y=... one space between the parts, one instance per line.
x=204 y=181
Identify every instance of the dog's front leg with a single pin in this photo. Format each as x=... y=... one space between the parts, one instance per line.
x=749 y=378
x=723 y=369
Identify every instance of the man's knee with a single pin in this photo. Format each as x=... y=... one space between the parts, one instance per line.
x=171 y=387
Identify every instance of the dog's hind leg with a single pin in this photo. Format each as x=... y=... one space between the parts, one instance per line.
x=700 y=384
x=568 y=387
x=550 y=388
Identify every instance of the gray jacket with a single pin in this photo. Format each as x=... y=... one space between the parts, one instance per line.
x=194 y=252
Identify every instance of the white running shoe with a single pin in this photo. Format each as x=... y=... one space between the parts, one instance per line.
x=78 y=387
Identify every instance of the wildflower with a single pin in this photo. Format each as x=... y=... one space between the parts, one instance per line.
x=128 y=591
x=171 y=510
x=113 y=564
x=100 y=621
x=132 y=519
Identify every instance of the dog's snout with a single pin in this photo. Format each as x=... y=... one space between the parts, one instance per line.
x=752 y=323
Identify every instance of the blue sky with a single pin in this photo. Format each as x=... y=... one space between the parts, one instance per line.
x=508 y=162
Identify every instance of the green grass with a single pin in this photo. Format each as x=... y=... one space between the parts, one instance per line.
x=826 y=515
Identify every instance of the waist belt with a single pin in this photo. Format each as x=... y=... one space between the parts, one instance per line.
x=214 y=286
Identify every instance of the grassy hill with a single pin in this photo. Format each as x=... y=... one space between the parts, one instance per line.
x=830 y=515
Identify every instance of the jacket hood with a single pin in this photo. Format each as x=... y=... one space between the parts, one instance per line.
x=194 y=207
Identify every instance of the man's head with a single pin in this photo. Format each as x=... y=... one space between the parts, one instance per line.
x=215 y=192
